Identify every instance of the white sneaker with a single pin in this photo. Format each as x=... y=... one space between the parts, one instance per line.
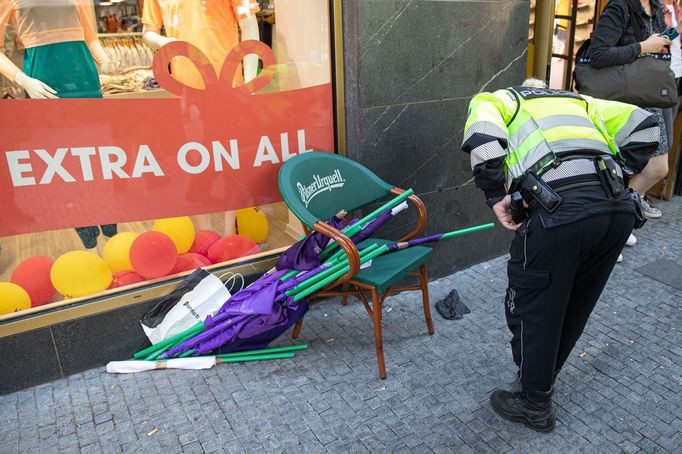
x=649 y=209
x=632 y=240
x=620 y=258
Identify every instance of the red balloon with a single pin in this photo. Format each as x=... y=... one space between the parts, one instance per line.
x=33 y=275
x=125 y=277
x=189 y=261
x=203 y=240
x=153 y=254
x=231 y=247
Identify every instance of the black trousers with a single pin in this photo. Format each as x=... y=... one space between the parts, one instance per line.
x=555 y=279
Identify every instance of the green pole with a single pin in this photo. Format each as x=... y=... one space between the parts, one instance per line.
x=353 y=230
x=287 y=348
x=171 y=340
x=284 y=349
x=476 y=228
x=329 y=271
x=321 y=284
x=157 y=353
x=339 y=257
x=241 y=359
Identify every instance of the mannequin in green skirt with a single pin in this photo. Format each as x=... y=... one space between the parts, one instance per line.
x=59 y=61
x=69 y=69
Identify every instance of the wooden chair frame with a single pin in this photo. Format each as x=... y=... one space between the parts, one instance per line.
x=349 y=286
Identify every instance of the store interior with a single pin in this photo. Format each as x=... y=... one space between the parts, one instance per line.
x=281 y=232
x=302 y=62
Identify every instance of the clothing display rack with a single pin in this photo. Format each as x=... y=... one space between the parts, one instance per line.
x=127 y=48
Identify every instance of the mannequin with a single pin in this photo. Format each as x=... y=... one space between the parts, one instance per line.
x=61 y=48
x=210 y=26
x=56 y=30
x=214 y=27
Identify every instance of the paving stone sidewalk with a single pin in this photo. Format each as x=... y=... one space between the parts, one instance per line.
x=620 y=391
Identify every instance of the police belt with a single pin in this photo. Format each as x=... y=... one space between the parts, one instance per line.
x=570 y=174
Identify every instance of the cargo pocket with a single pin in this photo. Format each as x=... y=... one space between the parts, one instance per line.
x=525 y=286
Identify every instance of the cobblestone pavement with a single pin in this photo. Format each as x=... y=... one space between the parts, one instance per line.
x=620 y=391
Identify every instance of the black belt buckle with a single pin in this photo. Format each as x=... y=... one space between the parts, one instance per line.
x=640 y=217
x=541 y=191
x=607 y=170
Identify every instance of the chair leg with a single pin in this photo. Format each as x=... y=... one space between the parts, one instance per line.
x=423 y=277
x=378 y=340
x=297 y=329
x=344 y=297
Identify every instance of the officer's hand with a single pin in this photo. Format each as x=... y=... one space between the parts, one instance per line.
x=501 y=210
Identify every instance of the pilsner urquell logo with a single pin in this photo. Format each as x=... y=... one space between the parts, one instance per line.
x=319 y=185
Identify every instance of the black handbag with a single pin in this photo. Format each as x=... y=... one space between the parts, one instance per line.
x=646 y=82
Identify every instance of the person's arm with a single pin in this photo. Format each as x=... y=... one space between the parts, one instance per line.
x=604 y=49
x=612 y=23
x=635 y=131
x=485 y=140
x=7 y=67
x=35 y=88
x=152 y=20
x=153 y=38
x=249 y=30
x=245 y=11
x=98 y=53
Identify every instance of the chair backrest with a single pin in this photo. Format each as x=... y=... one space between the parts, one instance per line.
x=317 y=185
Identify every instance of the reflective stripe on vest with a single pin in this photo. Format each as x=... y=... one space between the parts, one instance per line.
x=537 y=134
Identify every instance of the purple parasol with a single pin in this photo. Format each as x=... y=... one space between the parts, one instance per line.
x=305 y=254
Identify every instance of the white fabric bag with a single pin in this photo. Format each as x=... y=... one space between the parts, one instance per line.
x=199 y=295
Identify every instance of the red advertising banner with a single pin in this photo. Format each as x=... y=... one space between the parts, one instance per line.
x=78 y=162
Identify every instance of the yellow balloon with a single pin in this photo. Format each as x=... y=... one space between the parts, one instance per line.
x=180 y=230
x=13 y=298
x=116 y=251
x=80 y=273
x=252 y=223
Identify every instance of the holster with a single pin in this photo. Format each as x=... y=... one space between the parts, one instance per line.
x=541 y=192
x=607 y=170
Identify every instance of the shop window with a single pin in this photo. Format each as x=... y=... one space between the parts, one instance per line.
x=573 y=24
x=123 y=146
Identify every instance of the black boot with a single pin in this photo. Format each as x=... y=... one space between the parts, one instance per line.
x=532 y=408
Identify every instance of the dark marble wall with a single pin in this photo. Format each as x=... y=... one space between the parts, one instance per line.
x=412 y=67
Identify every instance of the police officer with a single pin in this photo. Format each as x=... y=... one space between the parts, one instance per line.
x=551 y=164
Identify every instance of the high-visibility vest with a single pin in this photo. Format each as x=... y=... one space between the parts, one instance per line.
x=549 y=126
x=541 y=125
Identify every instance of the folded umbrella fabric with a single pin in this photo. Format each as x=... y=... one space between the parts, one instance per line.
x=203 y=362
x=129 y=367
x=305 y=254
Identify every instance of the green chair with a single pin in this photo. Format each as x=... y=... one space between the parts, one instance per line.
x=316 y=186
